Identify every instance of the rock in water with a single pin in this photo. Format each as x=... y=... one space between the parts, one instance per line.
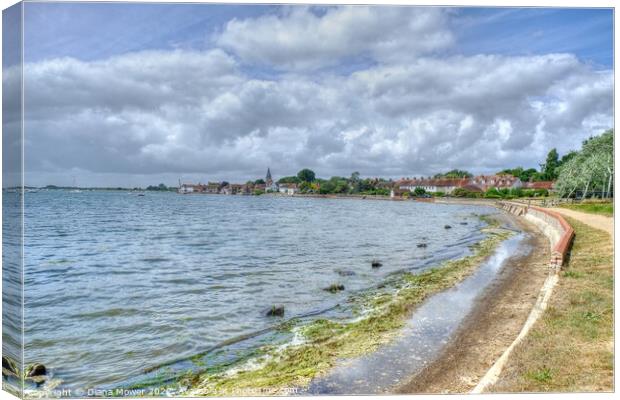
x=463 y=223
x=36 y=373
x=275 y=311
x=8 y=366
x=345 y=272
x=335 y=287
x=36 y=370
x=447 y=227
x=422 y=245
x=376 y=264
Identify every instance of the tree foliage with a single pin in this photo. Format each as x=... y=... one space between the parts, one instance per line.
x=289 y=179
x=589 y=171
x=526 y=175
x=306 y=175
x=161 y=188
x=549 y=168
x=455 y=173
x=419 y=191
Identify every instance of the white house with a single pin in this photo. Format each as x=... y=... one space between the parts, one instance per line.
x=485 y=182
x=431 y=185
x=288 y=188
x=185 y=188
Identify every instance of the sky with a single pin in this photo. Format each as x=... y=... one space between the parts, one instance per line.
x=137 y=94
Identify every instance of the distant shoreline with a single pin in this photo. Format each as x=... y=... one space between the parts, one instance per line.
x=438 y=200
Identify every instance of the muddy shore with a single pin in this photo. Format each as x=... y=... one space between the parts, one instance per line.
x=493 y=323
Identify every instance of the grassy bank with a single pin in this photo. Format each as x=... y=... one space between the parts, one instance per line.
x=606 y=209
x=323 y=342
x=571 y=347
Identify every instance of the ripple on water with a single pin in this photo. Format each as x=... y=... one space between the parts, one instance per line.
x=154 y=259
x=199 y=269
x=111 y=312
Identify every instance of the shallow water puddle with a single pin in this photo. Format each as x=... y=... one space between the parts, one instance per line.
x=430 y=327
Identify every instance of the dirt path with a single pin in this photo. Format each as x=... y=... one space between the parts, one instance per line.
x=491 y=327
x=595 y=221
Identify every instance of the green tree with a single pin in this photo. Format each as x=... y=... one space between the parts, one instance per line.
x=419 y=191
x=525 y=175
x=259 y=182
x=305 y=187
x=455 y=173
x=492 y=193
x=529 y=174
x=460 y=192
x=327 y=187
x=567 y=157
x=548 y=169
x=160 y=187
x=589 y=171
x=516 y=172
x=306 y=175
x=289 y=179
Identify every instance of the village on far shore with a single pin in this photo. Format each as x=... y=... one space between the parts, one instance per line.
x=454 y=183
x=585 y=173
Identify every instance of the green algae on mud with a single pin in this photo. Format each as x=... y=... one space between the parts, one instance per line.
x=379 y=315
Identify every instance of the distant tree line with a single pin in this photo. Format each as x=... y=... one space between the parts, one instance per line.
x=548 y=171
x=454 y=174
x=161 y=188
x=307 y=182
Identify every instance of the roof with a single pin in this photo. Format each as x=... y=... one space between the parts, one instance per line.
x=473 y=188
x=495 y=180
x=439 y=182
x=539 y=185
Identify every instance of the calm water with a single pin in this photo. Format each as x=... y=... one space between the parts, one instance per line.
x=116 y=284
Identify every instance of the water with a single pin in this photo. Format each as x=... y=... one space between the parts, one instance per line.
x=427 y=331
x=117 y=284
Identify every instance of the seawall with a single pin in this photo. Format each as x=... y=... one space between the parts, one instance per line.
x=560 y=235
x=551 y=224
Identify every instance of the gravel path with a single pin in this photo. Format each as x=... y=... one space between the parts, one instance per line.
x=596 y=221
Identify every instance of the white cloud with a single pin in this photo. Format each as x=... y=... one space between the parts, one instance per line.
x=202 y=114
x=303 y=38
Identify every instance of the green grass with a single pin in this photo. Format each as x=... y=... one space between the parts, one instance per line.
x=542 y=375
x=606 y=209
x=570 y=349
x=325 y=341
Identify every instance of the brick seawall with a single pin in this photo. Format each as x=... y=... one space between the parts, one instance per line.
x=552 y=224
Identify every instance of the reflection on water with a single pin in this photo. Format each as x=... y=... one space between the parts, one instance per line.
x=117 y=284
x=426 y=332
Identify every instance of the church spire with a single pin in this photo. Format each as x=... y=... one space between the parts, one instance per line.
x=268 y=177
